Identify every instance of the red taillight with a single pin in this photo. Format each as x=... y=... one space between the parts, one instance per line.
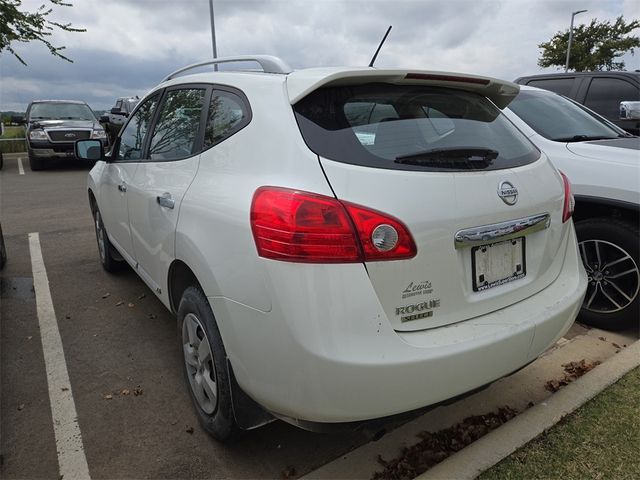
x=569 y=201
x=296 y=226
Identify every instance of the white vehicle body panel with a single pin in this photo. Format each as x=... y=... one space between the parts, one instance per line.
x=116 y=216
x=436 y=205
x=153 y=229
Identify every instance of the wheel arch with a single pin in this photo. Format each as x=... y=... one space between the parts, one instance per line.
x=593 y=207
x=92 y=200
x=180 y=277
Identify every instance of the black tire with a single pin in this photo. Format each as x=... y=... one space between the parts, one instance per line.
x=109 y=258
x=35 y=163
x=3 y=250
x=611 y=302
x=215 y=415
x=1 y=160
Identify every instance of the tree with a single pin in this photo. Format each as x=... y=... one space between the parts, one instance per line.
x=17 y=25
x=593 y=47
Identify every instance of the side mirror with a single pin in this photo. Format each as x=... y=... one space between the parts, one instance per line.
x=18 y=120
x=104 y=119
x=116 y=111
x=91 y=150
x=630 y=110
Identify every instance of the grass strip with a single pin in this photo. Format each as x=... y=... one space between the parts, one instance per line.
x=599 y=440
x=12 y=146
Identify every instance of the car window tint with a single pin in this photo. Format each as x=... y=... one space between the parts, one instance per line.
x=605 y=94
x=558 y=85
x=132 y=137
x=227 y=115
x=177 y=127
x=410 y=128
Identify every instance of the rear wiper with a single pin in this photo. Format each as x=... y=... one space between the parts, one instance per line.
x=582 y=138
x=453 y=157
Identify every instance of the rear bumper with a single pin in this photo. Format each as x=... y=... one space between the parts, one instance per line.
x=314 y=360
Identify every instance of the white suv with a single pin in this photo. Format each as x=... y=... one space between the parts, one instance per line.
x=338 y=244
x=603 y=163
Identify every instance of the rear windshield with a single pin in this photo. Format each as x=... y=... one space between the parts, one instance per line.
x=411 y=128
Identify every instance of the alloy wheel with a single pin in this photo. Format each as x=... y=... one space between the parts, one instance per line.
x=614 y=277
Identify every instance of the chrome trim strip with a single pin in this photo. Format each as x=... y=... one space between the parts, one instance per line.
x=497 y=232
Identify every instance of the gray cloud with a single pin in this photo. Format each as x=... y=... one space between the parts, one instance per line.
x=131 y=44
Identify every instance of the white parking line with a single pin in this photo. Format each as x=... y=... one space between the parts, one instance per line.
x=20 y=167
x=72 y=461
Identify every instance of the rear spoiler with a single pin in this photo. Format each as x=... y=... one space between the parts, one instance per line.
x=302 y=82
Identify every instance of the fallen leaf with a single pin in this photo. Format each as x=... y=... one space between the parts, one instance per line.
x=64 y=389
x=436 y=446
x=125 y=391
x=602 y=338
x=137 y=391
x=29 y=337
x=21 y=406
x=130 y=305
x=119 y=303
x=108 y=397
x=174 y=422
x=106 y=295
x=615 y=345
x=287 y=473
x=141 y=296
x=189 y=430
x=152 y=316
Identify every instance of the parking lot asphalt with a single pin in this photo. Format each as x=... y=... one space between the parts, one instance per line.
x=116 y=336
x=119 y=340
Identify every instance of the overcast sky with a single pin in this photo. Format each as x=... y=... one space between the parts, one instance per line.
x=130 y=45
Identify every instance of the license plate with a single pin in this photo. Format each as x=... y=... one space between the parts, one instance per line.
x=498 y=263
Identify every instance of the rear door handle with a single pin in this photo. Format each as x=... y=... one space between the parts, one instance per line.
x=122 y=187
x=166 y=200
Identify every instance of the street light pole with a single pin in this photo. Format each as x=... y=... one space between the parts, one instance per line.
x=566 y=65
x=213 y=34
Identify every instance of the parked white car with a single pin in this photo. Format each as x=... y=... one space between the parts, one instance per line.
x=338 y=244
x=603 y=163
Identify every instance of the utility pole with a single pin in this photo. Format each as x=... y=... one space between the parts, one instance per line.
x=213 y=34
x=566 y=65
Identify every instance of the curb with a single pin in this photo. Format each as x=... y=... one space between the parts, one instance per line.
x=481 y=455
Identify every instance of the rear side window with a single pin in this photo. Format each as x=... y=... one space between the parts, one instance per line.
x=227 y=114
x=605 y=94
x=176 y=130
x=558 y=85
x=411 y=128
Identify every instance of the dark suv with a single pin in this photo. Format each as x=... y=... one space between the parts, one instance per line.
x=602 y=92
x=53 y=126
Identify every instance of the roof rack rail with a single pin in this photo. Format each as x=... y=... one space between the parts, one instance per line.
x=269 y=64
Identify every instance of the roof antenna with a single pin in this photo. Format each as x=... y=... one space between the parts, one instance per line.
x=375 y=55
